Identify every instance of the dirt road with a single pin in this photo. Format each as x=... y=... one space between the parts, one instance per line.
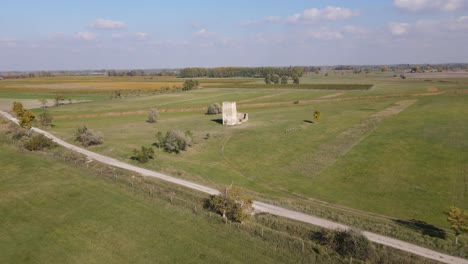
x=258 y=206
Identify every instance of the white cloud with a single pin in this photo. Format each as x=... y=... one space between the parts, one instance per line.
x=355 y=30
x=88 y=36
x=438 y=5
x=269 y=19
x=141 y=35
x=204 y=33
x=399 y=29
x=327 y=13
x=101 y=23
x=324 y=34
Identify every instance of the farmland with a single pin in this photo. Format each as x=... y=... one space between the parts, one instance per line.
x=409 y=164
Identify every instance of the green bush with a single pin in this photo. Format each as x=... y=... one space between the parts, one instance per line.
x=174 y=141
x=45 y=118
x=38 y=142
x=346 y=242
x=143 y=155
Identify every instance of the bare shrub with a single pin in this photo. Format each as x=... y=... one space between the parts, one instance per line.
x=87 y=137
x=153 y=116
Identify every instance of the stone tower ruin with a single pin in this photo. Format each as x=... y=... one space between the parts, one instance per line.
x=230 y=115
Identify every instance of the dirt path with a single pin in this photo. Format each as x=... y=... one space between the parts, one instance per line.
x=258 y=206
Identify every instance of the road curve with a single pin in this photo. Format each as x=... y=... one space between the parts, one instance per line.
x=258 y=206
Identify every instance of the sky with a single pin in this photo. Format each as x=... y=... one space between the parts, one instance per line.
x=79 y=35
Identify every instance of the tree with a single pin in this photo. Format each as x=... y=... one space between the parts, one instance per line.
x=284 y=79
x=275 y=78
x=295 y=78
x=317 y=115
x=232 y=203
x=153 y=116
x=190 y=84
x=214 y=109
x=27 y=119
x=18 y=109
x=268 y=79
x=458 y=220
x=45 y=118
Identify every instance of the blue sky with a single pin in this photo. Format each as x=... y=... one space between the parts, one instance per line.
x=55 y=35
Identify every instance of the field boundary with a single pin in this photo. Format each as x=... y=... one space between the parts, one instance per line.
x=258 y=206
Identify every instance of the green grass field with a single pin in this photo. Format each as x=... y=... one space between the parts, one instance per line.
x=54 y=212
x=408 y=166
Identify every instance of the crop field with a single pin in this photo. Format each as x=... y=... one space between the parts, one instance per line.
x=397 y=150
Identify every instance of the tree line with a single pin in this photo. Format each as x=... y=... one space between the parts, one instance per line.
x=247 y=72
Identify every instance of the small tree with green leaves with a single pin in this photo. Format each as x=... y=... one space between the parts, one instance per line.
x=275 y=79
x=284 y=79
x=268 y=79
x=153 y=116
x=458 y=220
x=38 y=142
x=232 y=203
x=174 y=141
x=59 y=99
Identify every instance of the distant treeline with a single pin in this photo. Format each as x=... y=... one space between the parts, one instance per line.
x=246 y=72
x=141 y=73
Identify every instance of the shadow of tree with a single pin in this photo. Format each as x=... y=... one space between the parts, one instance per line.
x=423 y=227
x=308 y=121
x=218 y=120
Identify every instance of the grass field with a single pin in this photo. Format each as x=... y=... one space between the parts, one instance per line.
x=53 y=212
x=407 y=166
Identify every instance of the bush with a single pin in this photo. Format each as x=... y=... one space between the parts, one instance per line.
x=86 y=137
x=27 y=118
x=345 y=242
x=403 y=76
x=214 y=109
x=16 y=132
x=18 y=109
x=284 y=79
x=231 y=204
x=45 y=118
x=39 y=142
x=143 y=155
x=174 y=141
x=153 y=116
x=190 y=84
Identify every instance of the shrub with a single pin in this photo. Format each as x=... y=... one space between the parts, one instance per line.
x=45 y=118
x=16 y=132
x=190 y=84
x=231 y=203
x=39 y=142
x=403 y=76
x=87 y=137
x=153 y=116
x=345 y=242
x=174 y=141
x=26 y=120
x=143 y=155
x=18 y=109
x=214 y=109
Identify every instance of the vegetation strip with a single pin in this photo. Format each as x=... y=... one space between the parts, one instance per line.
x=258 y=206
